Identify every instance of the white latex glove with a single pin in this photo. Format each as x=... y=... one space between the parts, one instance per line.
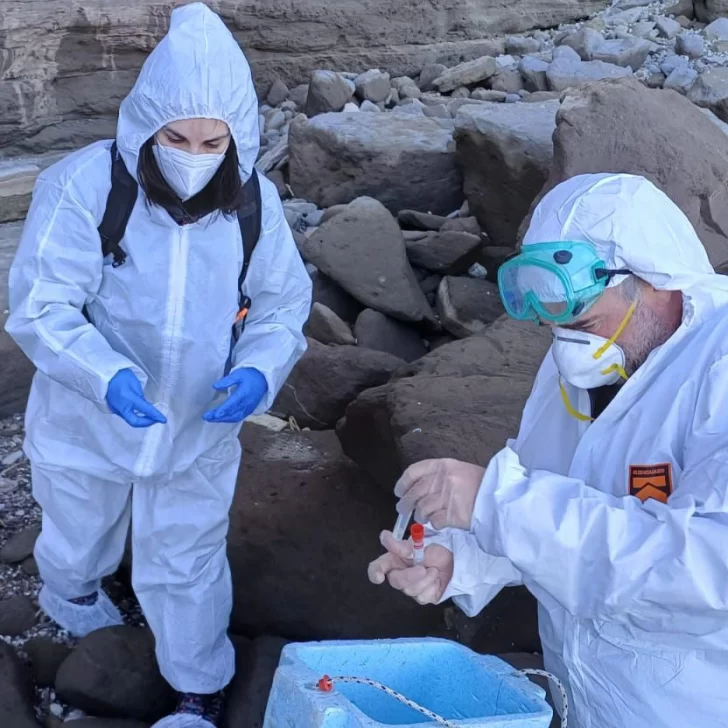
x=440 y=492
x=426 y=582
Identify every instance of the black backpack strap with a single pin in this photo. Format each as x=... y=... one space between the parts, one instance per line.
x=250 y=219
x=250 y=215
x=119 y=206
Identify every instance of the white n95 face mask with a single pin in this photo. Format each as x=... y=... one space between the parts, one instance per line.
x=187 y=174
x=586 y=360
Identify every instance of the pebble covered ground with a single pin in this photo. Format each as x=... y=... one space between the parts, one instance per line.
x=20 y=513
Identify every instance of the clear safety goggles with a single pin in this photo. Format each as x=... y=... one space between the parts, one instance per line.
x=553 y=282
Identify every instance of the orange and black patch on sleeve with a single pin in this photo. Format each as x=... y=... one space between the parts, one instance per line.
x=651 y=481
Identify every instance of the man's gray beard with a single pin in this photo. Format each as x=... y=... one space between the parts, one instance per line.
x=648 y=332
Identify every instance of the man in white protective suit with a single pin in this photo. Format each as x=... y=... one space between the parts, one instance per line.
x=159 y=292
x=610 y=506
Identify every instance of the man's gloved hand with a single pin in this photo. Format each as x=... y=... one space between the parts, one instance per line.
x=125 y=398
x=426 y=582
x=440 y=492
x=251 y=387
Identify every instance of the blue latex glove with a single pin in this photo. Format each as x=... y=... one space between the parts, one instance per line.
x=250 y=386
x=125 y=398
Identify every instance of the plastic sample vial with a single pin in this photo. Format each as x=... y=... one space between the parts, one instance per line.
x=400 y=526
x=417 y=532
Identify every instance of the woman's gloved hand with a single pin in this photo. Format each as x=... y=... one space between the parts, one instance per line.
x=250 y=388
x=125 y=398
x=426 y=582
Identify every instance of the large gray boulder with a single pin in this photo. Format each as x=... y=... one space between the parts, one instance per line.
x=462 y=401
x=363 y=250
x=327 y=379
x=505 y=151
x=113 y=673
x=404 y=161
x=467 y=306
x=710 y=91
x=327 y=91
x=623 y=127
x=563 y=73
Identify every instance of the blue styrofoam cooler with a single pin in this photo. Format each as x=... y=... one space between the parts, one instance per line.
x=445 y=677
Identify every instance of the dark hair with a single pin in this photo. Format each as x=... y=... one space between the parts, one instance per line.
x=222 y=192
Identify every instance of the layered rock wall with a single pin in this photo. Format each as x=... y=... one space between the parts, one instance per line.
x=65 y=66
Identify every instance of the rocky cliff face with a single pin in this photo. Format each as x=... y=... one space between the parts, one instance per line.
x=65 y=66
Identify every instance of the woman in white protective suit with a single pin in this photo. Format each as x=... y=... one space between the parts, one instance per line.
x=141 y=383
x=611 y=505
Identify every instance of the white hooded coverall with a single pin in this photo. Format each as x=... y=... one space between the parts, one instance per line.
x=167 y=314
x=633 y=596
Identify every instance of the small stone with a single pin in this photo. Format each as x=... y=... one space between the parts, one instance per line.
x=327 y=328
x=668 y=28
x=671 y=62
x=482 y=94
x=643 y=29
x=57 y=710
x=46 y=656
x=509 y=80
x=75 y=715
x=566 y=53
x=717 y=30
x=328 y=91
x=438 y=111
x=513 y=98
x=585 y=42
x=376 y=331
x=415 y=220
x=504 y=63
x=299 y=94
x=406 y=87
x=278 y=93
x=681 y=79
x=478 y=271
x=12 y=458
x=350 y=108
x=429 y=74
x=521 y=46
x=373 y=85
x=17 y=615
x=461 y=93
x=370 y=107
x=462 y=224
x=655 y=79
x=275 y=120
x=533 y=71
x=691 y=45
x=19 y=546
x=627 y=52
x=710 y=90
x=30 y=567
x=466 y=74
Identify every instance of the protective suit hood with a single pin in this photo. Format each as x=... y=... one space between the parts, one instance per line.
x=196 y=71
x=631 y=223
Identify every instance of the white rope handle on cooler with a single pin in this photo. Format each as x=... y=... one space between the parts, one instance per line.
x=329 y=682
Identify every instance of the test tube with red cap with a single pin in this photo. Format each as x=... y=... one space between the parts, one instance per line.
x=417 y=532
